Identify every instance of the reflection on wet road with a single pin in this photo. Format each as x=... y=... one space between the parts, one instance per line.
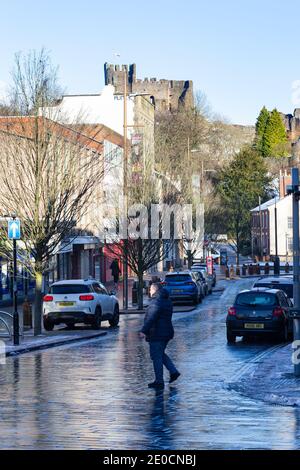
x=94 y=395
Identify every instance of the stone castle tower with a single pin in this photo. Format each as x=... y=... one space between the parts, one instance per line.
x=166 y=95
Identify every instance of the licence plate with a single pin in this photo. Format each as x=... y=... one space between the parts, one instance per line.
x=66 y=304
x=255 y=326
x=177 y=291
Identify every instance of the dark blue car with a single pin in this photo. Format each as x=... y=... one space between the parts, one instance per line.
x=183 y=286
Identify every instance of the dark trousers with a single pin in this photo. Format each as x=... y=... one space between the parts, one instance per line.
x=160 y=359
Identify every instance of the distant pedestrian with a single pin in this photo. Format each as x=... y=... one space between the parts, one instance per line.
x=158 y=331
x=231 y=271
x=115 y=272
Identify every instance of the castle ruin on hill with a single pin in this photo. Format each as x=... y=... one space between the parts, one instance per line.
x=166 y=95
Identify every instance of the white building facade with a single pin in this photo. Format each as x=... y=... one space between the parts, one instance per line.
x=263 y=233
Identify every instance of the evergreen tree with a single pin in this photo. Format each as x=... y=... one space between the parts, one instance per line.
x=274 y=140
x=260 y=128
x=239 y=186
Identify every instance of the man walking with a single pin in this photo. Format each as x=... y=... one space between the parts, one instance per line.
x=115 y=272
x=158 y=330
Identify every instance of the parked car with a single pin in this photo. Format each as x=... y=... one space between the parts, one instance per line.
x=202 y=277
x=259 y=311
x=183 y=286
x=208 y=277
x=202 y=283
x=284 y=283
x=202 y=266
x=79 y=301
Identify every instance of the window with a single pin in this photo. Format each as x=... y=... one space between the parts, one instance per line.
x=69 y=289
x=290 y=222
x=256 y=298
x=290 y=243
x=99 y=289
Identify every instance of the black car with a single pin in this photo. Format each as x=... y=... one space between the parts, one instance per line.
x=284 y=283
x=259 y=311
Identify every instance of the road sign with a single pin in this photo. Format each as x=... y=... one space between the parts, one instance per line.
x=14 y=229
x=294 y=313
x=209 y=265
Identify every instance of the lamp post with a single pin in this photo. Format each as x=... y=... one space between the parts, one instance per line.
x=294 y=190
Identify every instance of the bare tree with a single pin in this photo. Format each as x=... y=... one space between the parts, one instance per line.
x=49 y=174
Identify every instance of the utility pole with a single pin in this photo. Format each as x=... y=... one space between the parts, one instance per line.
x=295 y=312
x=15 y=296
x=260 y=228
x=276 y=238
x=125 y=187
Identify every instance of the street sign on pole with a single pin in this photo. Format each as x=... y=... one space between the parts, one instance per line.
x=14 y=229
x=14 y=234
x=296 y=267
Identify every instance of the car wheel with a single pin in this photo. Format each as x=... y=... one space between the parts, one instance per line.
x=48 y=325
x=195 y=300
x=116 y=318
x=97 y=320
x=230 y=337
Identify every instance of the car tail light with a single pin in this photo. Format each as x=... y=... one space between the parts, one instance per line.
x=48 y=298
x=164 y=283
x=232 y=311
x=278 y=312
x=86 y=297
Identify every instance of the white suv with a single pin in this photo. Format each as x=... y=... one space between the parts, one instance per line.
x=79 y=301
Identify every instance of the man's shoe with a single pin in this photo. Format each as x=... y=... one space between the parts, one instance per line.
x=156 y=385
x=174 y=377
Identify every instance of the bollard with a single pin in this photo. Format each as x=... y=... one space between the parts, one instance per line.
x=231 y=272
x=267 y=268
x=238 y=271
x=287 y=267
x=227 y=272
x=27 y=314
x=258 y=268
x=250 y=269
x=244 y=270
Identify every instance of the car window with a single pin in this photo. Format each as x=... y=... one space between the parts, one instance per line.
x=178 y=278
x=99 y=288
x=256 y=298
x=283 y=299
x=69 y=289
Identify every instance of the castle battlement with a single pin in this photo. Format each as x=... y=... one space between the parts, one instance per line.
x=166 y=95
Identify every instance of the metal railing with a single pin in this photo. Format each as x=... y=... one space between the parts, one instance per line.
x=7 y=321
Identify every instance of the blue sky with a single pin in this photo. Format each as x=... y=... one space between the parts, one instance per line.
x=241 y=54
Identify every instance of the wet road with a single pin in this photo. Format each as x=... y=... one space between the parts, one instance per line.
x=94 y=395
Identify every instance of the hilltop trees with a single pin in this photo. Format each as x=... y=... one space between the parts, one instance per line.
x=271 y=139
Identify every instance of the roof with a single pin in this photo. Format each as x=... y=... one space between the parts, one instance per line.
x=75 y=281
x=275 y=280
x=24 y=126
x=269 y=203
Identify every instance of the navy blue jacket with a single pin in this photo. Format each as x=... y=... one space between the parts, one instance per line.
x=158 y=319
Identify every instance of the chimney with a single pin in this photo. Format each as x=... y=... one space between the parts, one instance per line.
x=284 y=181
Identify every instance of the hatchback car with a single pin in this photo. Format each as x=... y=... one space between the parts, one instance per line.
x=183 y=286
x=79 y=301
x=284 y=283
x=259 y=311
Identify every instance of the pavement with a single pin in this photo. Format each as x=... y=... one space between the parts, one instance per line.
x=270 y=378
